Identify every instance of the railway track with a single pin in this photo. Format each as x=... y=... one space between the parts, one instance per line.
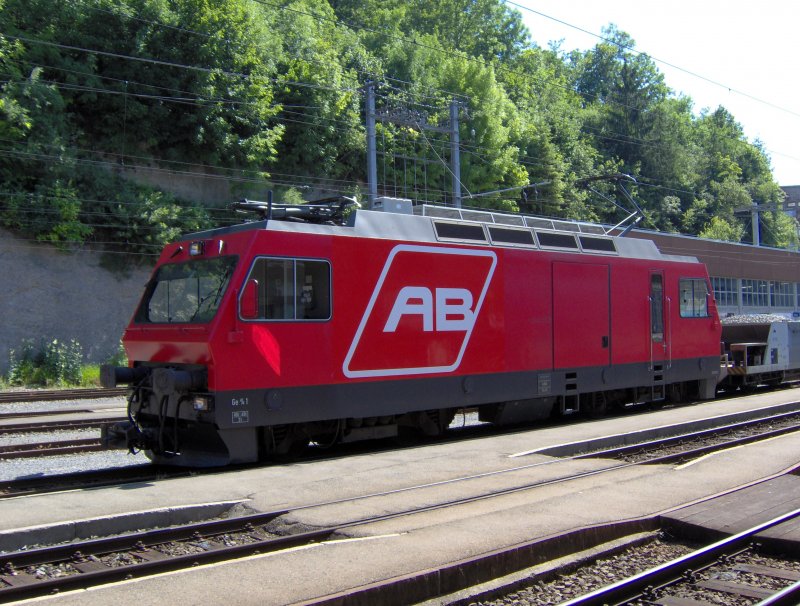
x=35 y=485
x=663 y=451
x=45 y=570
x=696 y=444
x=53 y=426
x=702 y=575
x=51 y=448
x=40 y=571
x=42 y=395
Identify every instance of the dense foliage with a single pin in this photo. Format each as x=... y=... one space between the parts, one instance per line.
x=270 y=95
x=49 y=364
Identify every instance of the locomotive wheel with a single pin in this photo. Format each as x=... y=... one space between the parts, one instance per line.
x=676 y=393
x=327 y=433
x=595 y=405
x=293 y=449
x=288 y=442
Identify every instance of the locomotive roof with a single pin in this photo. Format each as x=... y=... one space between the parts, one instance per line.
x=468 y=227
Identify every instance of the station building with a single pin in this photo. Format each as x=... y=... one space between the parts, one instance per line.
x=746 y=279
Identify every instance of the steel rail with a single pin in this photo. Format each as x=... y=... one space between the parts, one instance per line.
x=636 y=586
x=790 y=596
x=690 y=453
x=42 y=413
x=117 y=476
x=140 y=545
x=48 y=426
x=79 y=555
x=44 y=395
x=151 y=562
x=136 y=540
x=50 y=449
x=633 y=448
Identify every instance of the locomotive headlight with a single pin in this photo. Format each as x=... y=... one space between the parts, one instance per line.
x=197 y=248
x=201 y=403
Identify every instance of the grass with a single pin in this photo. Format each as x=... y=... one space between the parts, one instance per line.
x=90 y=377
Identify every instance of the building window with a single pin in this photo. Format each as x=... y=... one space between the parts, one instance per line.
x=291 y=289
x=781 y=294
x=755 y=293
x=694 y=298
x=726 y=291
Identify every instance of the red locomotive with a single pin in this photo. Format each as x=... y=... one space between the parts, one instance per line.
x=257 y=339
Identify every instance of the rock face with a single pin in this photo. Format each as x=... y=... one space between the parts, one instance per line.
x=46 y=294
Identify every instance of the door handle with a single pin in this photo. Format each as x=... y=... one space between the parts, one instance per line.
x=605 y=342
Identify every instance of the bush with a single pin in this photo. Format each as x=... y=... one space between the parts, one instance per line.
x=53 y=363
x=120 y=358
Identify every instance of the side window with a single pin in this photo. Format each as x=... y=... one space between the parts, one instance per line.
x=291 y=289
x=313 y=291
x=656 y=307
x=278 y=284
x=694 y=298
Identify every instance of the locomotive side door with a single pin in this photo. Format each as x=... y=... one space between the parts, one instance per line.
x=659 y=333
x=581 y=315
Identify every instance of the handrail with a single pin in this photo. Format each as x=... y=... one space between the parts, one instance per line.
x=669 y=332
x=650 y=330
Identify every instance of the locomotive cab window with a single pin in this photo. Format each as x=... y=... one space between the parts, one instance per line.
x=184 y=293
x=694 y=298
x=287 y=289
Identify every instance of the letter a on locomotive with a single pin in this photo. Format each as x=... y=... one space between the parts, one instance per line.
x=422 y=312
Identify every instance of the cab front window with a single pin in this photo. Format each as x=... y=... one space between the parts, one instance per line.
x=185 y=293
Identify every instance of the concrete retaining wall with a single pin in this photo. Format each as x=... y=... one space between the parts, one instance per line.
x=48 y=294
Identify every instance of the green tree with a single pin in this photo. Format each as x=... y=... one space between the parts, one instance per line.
x=478 y=28
x=779 y=229
x=554 y=147
x=719 y=228
x=319 y=94
x=488 y=29
x=627 y=86
x=253 y=89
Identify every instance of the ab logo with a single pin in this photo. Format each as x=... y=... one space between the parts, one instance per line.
x=445 y=309
x=422 y=312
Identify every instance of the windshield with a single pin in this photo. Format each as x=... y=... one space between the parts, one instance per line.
x=182 y=293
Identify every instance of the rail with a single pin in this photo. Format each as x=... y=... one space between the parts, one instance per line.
x=638 y=585
x=91 y=571
x=39 y=395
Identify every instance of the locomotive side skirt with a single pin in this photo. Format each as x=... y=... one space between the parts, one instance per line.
x=369 y=399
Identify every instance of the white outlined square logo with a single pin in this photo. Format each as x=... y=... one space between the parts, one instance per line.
x=422 y=312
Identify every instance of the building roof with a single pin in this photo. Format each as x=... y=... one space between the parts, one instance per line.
x=726 y=259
